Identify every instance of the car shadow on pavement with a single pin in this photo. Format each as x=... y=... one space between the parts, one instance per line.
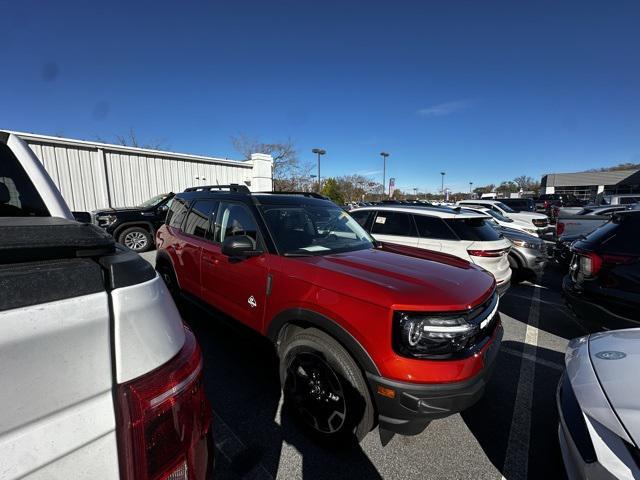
x=255 y=437
x=502 y=416
x=553 y=317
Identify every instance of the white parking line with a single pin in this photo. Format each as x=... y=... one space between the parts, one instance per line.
x=512 y=351
x=516 y=461
x=546 y=302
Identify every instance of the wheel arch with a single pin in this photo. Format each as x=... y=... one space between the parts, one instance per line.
x=289 y=321
x=163 y=257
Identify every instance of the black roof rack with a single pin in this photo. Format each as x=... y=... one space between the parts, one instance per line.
x=304 y=194
x=233 y=187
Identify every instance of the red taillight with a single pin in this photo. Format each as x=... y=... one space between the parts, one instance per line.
x=164 y=419
x=560 y=228
x=590 y=263
x=488 y=253
x=546 y=204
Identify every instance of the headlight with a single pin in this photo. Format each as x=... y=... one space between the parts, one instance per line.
x=419 y=335
x=106 y=220
x=525 y=244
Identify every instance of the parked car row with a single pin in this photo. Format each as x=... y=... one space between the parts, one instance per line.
x=388 y=316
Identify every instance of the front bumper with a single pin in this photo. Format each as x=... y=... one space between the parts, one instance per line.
x=414 y=406
x=579 y=458
x=534 y=259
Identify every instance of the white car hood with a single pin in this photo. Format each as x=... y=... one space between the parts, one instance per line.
x=615 y=357
x=527 y=217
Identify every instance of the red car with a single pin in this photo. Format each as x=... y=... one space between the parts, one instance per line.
x=366 y=332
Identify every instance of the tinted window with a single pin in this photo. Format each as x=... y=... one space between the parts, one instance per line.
x=393 y=223
x=628 y=200
x=617 y=236
x=477 y=229
x=199 y=219
x=361 y=217
x=176 y=213
x=433 y=227
x=18 y=196
x=234 y=219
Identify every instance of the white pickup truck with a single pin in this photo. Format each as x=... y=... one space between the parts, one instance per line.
x=100 y=379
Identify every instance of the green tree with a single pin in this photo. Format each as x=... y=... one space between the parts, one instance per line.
x=331 y=189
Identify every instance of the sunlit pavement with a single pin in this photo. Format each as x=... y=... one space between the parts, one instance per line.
x=510 y=433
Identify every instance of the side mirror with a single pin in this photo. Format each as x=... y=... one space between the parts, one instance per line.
x=82 y=217
x=240 y=246
x=163 y=208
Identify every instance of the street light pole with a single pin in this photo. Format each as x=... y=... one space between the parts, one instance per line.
x=470 y=185
x=319 y=152
x=442 y=187
x=384 y=172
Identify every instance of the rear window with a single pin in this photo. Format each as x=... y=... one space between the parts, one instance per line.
x=617 y=236
x=475 y=229
x=18 y=196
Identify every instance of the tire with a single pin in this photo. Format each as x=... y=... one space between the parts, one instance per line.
x=137 y=239
x=324 y=389
x=517 y=273
x=167 y=274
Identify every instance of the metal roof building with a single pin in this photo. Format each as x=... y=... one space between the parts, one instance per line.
x=586 y=185
x=92 y=175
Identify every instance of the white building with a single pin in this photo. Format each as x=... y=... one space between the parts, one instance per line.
x=94 y=175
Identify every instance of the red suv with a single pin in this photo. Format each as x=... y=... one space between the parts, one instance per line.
x=366 y=332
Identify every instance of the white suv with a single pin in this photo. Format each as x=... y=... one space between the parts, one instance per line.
x=464 y=235
x=531 y=222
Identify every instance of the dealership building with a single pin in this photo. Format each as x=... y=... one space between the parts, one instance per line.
x=93 y=175
x=586 y=185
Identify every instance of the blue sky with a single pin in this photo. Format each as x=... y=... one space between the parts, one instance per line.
x=483 y=90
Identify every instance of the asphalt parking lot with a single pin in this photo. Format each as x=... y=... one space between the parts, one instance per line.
x=511 y=433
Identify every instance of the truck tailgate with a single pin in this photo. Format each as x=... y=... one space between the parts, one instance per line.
x=57 y=405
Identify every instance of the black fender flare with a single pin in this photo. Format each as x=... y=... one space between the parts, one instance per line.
x=120 y=228
x=162 y=256
x=302 y=317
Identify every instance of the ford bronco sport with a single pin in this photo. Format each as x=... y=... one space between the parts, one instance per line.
x=366 y=332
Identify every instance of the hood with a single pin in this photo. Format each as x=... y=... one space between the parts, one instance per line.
x=401 y=277
x=513 y=234
x=107 y=211
x=615 y=357
x=527 y=217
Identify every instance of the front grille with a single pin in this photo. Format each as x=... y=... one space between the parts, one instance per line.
x=541 y=223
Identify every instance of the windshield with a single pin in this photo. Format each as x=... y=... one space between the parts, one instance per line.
x=504 y=207
x=306 y=230
x=153 y=201
x=498 y=216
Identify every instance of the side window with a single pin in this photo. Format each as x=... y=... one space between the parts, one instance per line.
x=394 y=223
x=176 y=214
x=234 y=219
x=362 y=217
x=18 y=196
x=200 y=219
x=433 y=227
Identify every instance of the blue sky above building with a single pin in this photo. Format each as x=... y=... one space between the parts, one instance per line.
x=485 y=91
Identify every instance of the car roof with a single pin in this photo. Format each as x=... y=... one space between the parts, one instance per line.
x=441 y=212
x=259 y=198
x=478 y=202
